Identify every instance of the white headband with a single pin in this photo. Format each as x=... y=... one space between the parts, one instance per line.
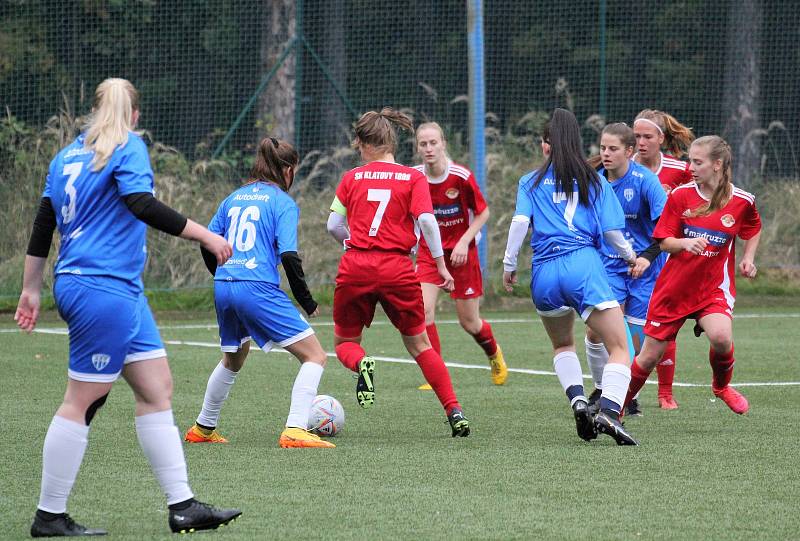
x=650 y=122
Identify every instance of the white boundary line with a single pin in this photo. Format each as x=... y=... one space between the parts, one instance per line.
x=398 y=360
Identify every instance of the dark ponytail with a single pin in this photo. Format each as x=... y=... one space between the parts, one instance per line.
x=563 y=135
x=272 y=157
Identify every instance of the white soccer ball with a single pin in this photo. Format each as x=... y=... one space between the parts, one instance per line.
x=327 y=416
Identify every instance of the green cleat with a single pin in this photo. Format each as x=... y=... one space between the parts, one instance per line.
x=458 y=423
x=365 y=387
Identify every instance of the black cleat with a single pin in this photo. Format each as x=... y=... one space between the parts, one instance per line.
x=583 y=420
x=458 y=423
x=365 y=387
x=200 y=516
x=60 y=525
x=608 y=424
x=697 y=330
x=594 y=402
x=633 y=409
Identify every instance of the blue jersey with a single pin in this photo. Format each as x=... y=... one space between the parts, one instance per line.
x=642 y=198
x=562 y=225
x=260 y=222
x=99 y=235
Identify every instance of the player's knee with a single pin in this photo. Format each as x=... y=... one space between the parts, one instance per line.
x=721 y=342
x=93 y=407
x=470 y=324
x=430 y=315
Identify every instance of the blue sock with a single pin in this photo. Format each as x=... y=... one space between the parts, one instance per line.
x=606 y=404
x=574 y=391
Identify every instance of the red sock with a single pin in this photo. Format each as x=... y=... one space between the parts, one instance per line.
x=438 y=377
x=666 y=370
x=638 y=377
x=433 y=336
x=722 y=367
x=349 y=353
x=485 y=339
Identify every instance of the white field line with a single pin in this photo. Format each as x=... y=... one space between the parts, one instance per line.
x=63 y=331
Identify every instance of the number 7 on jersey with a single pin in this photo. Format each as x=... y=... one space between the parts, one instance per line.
x=382 y=196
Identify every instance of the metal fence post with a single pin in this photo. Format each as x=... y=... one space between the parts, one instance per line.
x=477 y=111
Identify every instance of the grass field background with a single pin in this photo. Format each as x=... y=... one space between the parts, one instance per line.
x=701 y=471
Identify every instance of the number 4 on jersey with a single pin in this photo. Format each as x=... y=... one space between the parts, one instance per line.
x=382 y=196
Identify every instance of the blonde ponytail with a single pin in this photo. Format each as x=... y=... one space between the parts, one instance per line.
x=111 y=119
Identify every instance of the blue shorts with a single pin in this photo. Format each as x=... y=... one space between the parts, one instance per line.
x=640 y=291
x=257 y=310
x=110 y=325
x=576 y=280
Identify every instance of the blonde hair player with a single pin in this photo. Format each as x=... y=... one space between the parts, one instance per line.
x=99 y=194
x=661 y=142
x=461 y=212
x=380 y=202
x=698 y=228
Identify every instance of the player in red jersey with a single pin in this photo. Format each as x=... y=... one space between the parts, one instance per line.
x=698 y=228
x=380 y=202
x=655 y=132
x=461 y=212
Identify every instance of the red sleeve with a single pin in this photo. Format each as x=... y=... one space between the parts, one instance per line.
x=752 y=223
x=342 y=190
x=474 y=197
x=669 y=224
x=420 y=195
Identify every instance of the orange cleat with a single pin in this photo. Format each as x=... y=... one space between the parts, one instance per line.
x=667 y=403
x=733 y=398
x=297 y=437
x=198 y=435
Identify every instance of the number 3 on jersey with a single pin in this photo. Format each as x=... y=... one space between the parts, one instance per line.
x=382 y=196
x=72 y=170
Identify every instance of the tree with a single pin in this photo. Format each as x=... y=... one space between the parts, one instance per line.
x=276 y=104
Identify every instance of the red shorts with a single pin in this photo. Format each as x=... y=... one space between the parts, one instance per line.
x=660 y=329
x=468 y=278
x=369 y=277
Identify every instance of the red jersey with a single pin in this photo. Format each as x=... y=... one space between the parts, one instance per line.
x=382 y=200
x=673 y=172
x=688 y=281
x=456 y=199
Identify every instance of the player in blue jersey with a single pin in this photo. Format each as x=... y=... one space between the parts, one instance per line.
x=570 y=207
x=642 y=198
x=260 y=221
x=99 y=194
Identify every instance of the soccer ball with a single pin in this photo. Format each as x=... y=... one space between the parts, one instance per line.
x=327 y=416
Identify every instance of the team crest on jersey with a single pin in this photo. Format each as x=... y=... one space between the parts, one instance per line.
x=727 y=220
x=628 y=193
x=100 y=361
x=452 y=193
x=667 y=188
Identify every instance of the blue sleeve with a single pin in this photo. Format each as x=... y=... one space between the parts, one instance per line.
x=132 y=170
x=655 y=195
x=525 y=197
x=286 y=227
x=218 y=221
x=47 y=187
x=608 y=208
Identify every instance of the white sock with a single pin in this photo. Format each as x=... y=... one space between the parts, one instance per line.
x=161 y=443
x=303 y=393
x=219 y=385
x=568 y=370
x=596 y=357
x=616 y=380
x=64 y=446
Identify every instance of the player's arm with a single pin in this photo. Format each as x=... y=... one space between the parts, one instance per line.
x=44 y=224
x=461 y=249
x=615 y=238
x=156 y=214
x=517 y=232
x=337 y=221
x=293 y=267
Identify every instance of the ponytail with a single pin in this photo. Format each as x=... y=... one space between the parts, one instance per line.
x=272 y=157
x=377 y=129
x=111 y=119
x=718 y=149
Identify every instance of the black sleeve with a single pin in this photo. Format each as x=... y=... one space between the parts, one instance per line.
x=651 y=252
x=155 y=213
x=42 y=232
x=293 y=266
x=209 y=260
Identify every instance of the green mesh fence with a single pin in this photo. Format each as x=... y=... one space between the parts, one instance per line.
x=214 y=76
